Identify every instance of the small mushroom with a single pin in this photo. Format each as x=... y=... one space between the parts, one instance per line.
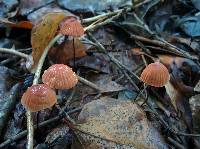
x=38 y=97
x=70 y=26
x=155 y=74
x=59 y=76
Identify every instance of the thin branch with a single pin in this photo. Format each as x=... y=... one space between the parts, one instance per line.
x=109 y=14
x=90 y=84
x=118 y=63
x=14 y=52
x=175 y=143
x=156 y=42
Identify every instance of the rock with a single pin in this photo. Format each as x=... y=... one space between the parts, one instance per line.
x=92 y=5
x=112 y=123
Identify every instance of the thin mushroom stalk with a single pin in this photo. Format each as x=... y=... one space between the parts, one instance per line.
x=70 y=26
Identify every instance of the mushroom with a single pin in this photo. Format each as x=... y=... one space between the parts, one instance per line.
x=70 y=26
x=38 y=97
x=59 y=76
x=155 y=74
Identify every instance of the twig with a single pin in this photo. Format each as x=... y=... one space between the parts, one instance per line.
x=69 y=99
x=65 y=114
x=108 y=14
x=88 y=20
x=156 y=42
x=14 y=52
x=90 y=84
x=35 y=81
x=175 y=143
x=42 y=124
x=166 y=44
x=102 y=49
x=107 y=21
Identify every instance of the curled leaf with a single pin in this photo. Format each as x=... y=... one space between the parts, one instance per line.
x=42 y=34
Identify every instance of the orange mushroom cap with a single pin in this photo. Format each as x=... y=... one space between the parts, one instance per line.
x=72 y=27
x=38 y=97
x=155 y=74
x=59 y=76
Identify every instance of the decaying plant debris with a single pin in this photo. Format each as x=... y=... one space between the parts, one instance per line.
x=108 y=44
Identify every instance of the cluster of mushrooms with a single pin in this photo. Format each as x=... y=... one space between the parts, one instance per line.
x=42 y=96
x=60 y=76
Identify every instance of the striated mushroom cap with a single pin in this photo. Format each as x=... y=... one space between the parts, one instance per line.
x=72 y=27
x=59 y=76
x=155 y=74
x=38 y=97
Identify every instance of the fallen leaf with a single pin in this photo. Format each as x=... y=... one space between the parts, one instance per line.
x=179 y=94
x=42 y=34
x=61 y=136
x=116 y=124
x=190 y=25
x=21 y=24
x=168 y=60
x=64 y=52
x=187 y=41
x=105 y=82
x=7 y=102
x=26 y=6
x=97 y=61
x=137 y=51
x=51 y=8
x=196 y=4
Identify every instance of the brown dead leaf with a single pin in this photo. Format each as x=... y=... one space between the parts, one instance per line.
x=137 y=51
x=51 y=8
x=168 y=60
x=187 y=41
x=21 y=24
x=26 y=6
x=97 y=61
x=64 y=52
x=179 y=94
x=116 y=124
x=42 y=34
x=105 y=82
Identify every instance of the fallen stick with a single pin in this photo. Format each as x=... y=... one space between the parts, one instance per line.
x=42 y=124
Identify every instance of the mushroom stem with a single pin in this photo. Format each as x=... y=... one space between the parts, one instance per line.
x=74 y=50
x=30 y=128
x=14 y=52
x=42 y=58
